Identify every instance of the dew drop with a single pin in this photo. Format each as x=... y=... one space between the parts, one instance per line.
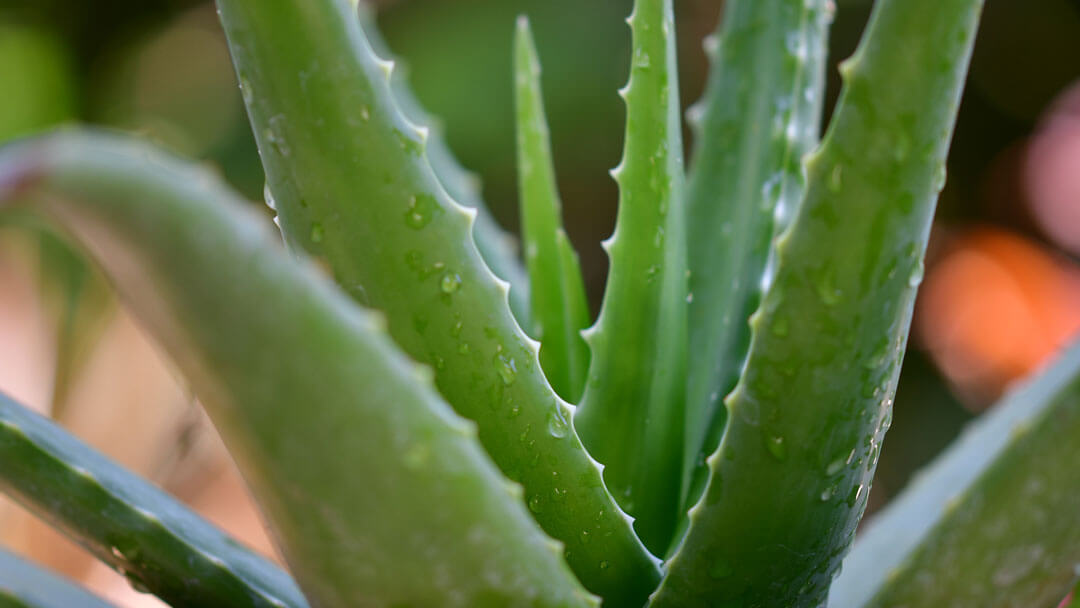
x=916 y=276
x=408 y=144
x=246 y=91
x=836 y=178
x=641 y=59
x=711 y=44
x=536 y=504
x=940 y=174
x=834 y=467
x=604 y=565
x=316 y=233
x=878 y=357
x=827 y=292
x=557 y=423
x=776 y=447
x=506 y=368
x=268 y=197
x=771 y=189
x=853 y=497
x=274 y=138
x=422 y=209
x=796 y=45
x=450 y=283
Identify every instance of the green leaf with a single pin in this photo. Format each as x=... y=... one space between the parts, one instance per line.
x=789 y=481
x=496 y=246
x=560 y=310
x=24 y=585
x=351 y=184
x=377 y=492
x=760 y=114
x=993 y=521
x=138 y=530
x=631 y=417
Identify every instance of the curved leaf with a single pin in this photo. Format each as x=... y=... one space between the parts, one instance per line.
x=496 y=246
x=24 y=585
x=994 y=521
x=631 y=416
x=790 y=478
x=560 y=310
x=760 y=114
x=351 y=184
x=138 y=530
x=378 y=493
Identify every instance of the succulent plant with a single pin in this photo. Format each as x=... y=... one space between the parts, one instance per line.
x=438 y=425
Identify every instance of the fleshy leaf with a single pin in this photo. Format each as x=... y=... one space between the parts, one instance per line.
x=24 y=585
x=496 y=246
x=994 y=521
x=760 y=114
x=560 y=310
x=631 y=416
x=790 y=478
x=376 y=491
x=352 y=185
x=135 y=528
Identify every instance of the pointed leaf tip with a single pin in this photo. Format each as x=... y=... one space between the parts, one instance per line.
x=560 y=309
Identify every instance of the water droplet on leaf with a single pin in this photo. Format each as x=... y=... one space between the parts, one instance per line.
x=776 y=447
x=506 y=367
x=422 y=209
x=450 y=283
x=557 y=423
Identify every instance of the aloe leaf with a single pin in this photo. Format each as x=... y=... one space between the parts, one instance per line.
x=790 y=478
x=377 y=492
x=560 y=310
x=631 y=417
x=994 y=521
x=760 y=114
x=351 y=184
x=24 y=585
x=141 y=532
x=496 y=246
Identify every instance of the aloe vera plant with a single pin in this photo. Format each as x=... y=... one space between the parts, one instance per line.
x=415 y=440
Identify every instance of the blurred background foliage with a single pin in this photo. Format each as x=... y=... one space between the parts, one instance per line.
x=1001 y=295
